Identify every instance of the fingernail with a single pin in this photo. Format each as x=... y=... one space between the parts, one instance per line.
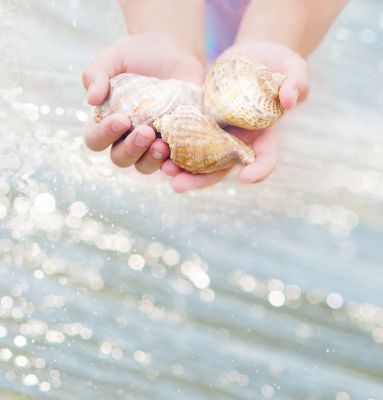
x=157 y=155
x=117 y=127
x=141 y=140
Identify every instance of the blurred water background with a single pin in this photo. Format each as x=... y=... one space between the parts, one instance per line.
x=113 y=287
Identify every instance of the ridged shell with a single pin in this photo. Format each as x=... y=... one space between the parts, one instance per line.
x=144 y=99
x=198 y=145
x=243 y=92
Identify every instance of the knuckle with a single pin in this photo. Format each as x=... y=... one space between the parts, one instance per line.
x=118 y=163
x=124 y=155
x=304 y=90
x=129 y=152
x=117 y=160
x=164 y=150
x=86 y=77
x=305 y=85
x=91 y=144
x=107 y=133
x=144 y=169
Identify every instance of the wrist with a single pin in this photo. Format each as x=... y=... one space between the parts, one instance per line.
x=167 y=40
x=283 y=23
x=293 y=45
x=172 y=59
x=263 y=50
x=180 y=21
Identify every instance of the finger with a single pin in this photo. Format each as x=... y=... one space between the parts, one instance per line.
x=153 y=158
x=263 y=167
x=265 y=149
x=185 y=181
x=170 y=169
x=96 y=82
x=296 y=87
x=289 y=94
x=128 y=151
x=98 y=136
x=245 y=135
x=105 y=65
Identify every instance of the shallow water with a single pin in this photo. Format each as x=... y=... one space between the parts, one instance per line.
x=111 y=286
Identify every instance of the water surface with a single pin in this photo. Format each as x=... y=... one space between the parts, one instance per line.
x=112 y=286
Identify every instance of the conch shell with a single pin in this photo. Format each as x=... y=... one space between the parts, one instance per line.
x=197 y=144
x=144 y=99
x=243 y=92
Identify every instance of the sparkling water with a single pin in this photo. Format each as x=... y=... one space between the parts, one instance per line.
x=114 y=287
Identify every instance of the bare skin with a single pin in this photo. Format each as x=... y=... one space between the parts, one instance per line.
x=165 y=60
x=166 y=41
x=278 y=58
x=301 y=26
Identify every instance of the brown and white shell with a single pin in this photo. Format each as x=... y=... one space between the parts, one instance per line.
x=243 y=92
x=198 y=145
x=144 y=99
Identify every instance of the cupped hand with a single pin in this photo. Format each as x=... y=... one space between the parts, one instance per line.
x=295 y=88
x=150 y=55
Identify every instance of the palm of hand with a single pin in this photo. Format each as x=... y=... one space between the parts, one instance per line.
x=164 y=60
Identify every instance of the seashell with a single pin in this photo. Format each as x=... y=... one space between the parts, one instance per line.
x=144 y=99
x=197 y=144
x=243 y=92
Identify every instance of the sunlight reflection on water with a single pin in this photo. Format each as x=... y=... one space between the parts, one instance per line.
x=109 y=281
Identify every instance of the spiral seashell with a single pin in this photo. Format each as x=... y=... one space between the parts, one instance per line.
x=144 y=99
x=243 y=92
x=197 y=144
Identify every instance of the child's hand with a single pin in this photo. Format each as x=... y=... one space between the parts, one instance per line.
x=294 y=89
x=147 y=54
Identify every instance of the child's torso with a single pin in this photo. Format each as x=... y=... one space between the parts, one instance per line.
x=222 y=21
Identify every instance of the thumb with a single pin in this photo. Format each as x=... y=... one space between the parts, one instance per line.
x=296 y=87
x=289 y=94
x=96 y=76
x=96 y=82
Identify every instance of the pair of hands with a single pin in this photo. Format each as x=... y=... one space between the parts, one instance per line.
x=152 y=55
